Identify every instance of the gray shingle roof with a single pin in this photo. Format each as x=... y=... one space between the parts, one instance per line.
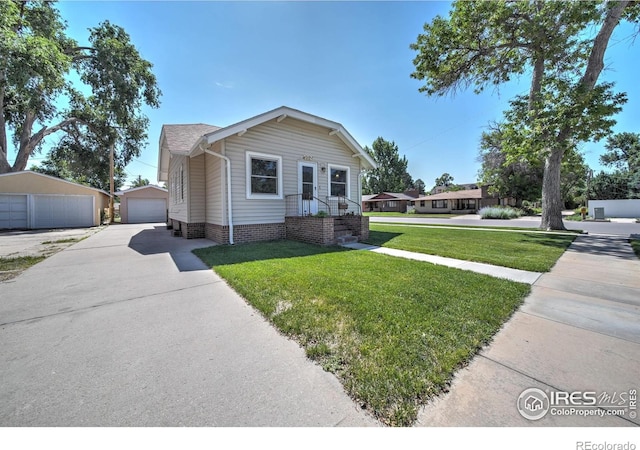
x=180 y=138
x=453 y=195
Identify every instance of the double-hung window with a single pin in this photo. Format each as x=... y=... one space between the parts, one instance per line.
x=264 y=176
x=339 y=181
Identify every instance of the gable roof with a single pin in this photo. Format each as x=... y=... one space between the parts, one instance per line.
x=148 y=186
x=387 y=196
x=178 y=137
x=31 y=172
x=453 y=195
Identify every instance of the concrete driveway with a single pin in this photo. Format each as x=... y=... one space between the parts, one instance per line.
x=129 y=328
x=15 y=243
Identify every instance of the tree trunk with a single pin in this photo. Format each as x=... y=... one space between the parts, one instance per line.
x=552 y=204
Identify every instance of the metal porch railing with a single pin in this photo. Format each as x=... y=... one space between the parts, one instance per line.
x=298 y=205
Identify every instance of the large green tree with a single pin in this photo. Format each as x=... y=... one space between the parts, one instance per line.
x=391 y=174
x=521 y=178
x=611 y=186
x=623 y=154
x=82 y=165
x=560 y=44
x=444 y=180
x=623 y=151
x=139 y=182
x=419 y=186
x=37 y=63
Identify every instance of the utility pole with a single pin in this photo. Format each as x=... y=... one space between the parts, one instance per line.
x=111 y=170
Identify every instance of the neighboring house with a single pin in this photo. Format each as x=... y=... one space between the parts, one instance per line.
x=466 y=201
x=144 y=204
x=263 y=179
x=31 y=200
x=389 y=201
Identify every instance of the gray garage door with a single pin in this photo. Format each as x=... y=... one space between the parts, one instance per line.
x=146 y=210
x=63 y=211
x=13 y=211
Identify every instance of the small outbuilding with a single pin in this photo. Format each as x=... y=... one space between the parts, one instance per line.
x=31 y=200
x=145 y=204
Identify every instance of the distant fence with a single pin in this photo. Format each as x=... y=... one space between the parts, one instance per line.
x=616 y=208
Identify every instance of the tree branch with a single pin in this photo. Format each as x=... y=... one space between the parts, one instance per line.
x=46 y=131
x=596 y=58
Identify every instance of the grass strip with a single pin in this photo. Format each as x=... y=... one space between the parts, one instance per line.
x=532 y=251
x=19 y=263
x=392 y=330
x=12 y=267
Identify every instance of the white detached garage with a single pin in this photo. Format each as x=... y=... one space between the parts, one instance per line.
x=31 y=200
x=145 y=204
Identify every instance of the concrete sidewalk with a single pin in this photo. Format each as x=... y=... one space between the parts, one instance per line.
x=579 y=330
x=129 y=328
x=521 y=276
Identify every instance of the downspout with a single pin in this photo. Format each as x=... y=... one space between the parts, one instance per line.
x=228 y=168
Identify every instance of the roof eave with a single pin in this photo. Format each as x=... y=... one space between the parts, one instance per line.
x=282 y=113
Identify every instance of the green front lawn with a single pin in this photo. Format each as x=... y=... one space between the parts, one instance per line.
x=393 y=331
x=535 y=252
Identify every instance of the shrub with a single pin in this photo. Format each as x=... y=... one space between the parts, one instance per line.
x=322 y=214
x=495 y=212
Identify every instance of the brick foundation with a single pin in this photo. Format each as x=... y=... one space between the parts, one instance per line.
x=187 y=230
x=245 y=233
x=359 y=225
x=313 y=230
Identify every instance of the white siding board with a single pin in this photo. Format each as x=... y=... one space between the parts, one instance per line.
x=196 y=189
x=292 y=140
x=178 y=210
x=215 y=200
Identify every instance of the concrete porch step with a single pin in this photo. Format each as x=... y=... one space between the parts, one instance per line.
x=346 y=240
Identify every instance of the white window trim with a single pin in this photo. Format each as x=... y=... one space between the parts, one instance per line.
x=348 y=187
x=182 y=183
x=251 y=196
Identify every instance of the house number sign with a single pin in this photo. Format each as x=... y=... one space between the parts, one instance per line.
x=307 y=158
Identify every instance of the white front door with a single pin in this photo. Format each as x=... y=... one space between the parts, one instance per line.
x=308 y=187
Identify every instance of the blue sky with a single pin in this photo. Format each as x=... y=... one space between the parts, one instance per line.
x=350 y=62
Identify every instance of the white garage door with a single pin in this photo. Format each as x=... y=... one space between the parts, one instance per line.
x=13 y=211
x=146 y=210
x=62 y=211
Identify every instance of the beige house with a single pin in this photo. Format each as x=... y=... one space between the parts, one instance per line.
x=255 y=180
x=144 y=204
x=31 y=200
x=466 y=201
